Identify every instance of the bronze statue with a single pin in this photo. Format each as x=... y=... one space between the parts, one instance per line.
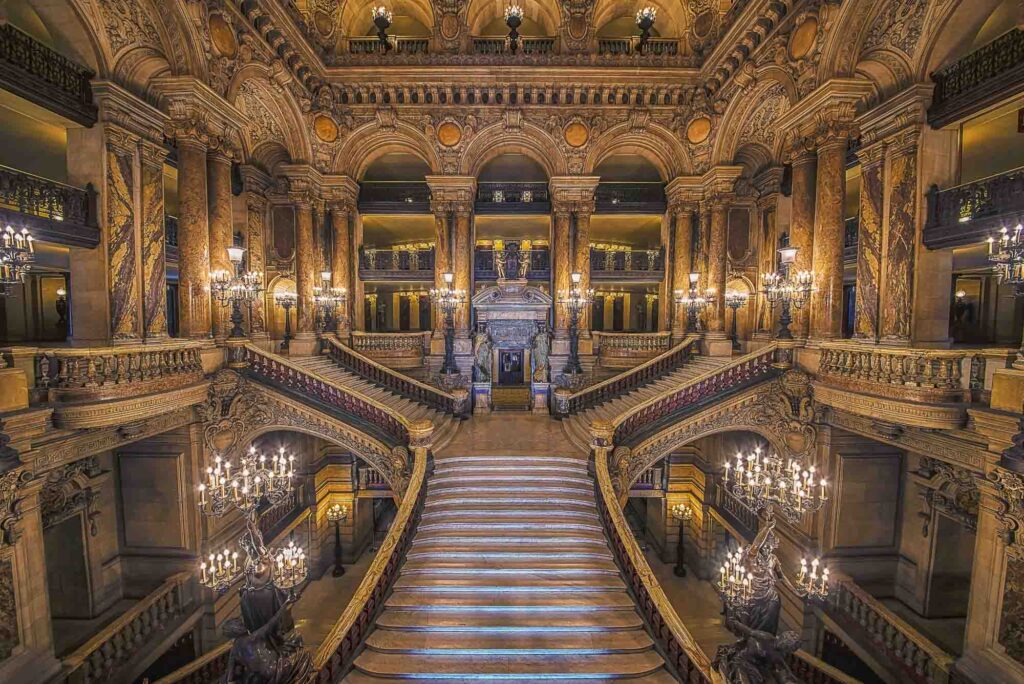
x=266 y=649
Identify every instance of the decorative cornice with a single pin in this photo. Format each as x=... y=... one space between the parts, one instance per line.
x=454 y=190
x=118 y=106
x=896 y=410
x=908 y=109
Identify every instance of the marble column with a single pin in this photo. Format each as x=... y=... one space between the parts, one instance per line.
x=561 y=265
x=193 y=241
x=462 y=263
x=682 y=266
x=306 y=275
x=153 y=237
x=442 y=254
x=255 y=240
x=767 y=208
x=581 y=256
x=895 y=315
x=829 y=234
x=717 y=264
x=869 y=242
x=123 y=248
x=221 y=235
x=665 y=305
x=801 y=227
x=341 y=263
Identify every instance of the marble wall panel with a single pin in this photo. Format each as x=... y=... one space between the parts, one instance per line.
x=154 y=312
x=122 y=245
x=869 y=251
x=899 y=269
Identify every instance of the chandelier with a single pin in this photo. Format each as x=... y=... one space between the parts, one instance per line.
x=236 y=287
x=1008 y=257
x=811 y=581
x=645 y=17
x=694 y=301
x=382 y=20
x=16 y=254
x=513 y=19
x=763 y=482
x=787 y=288
x=327 y=299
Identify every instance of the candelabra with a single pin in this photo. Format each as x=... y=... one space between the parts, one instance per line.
x=236 y=288
x=763 y=482
x=448 y=300
x=735 y=300
x=244 y=486
x=327 y=300
x=513 y=19
x=61 y=305
x=576 y=300
x=684 y=514
x=286 y=300
x=788 y=289
x=1007 y=253
x=645 y=17
x=813 y=583
x=382 y=20
x=336 y=514
x=16 y=255
x=694 y=301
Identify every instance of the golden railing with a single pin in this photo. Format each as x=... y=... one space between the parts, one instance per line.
x=924 y=375
x=625 y=350
x=396 y=350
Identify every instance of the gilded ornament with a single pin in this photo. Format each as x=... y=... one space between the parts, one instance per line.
x=698 y=130
x=325 y=127
x=323 y=22
x=449 y=26
x=803 y=39
x=223 y=36
x=576 y=134
x=703 y=24
x=449 y=134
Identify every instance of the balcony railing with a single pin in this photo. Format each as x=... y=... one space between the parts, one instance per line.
x=993 y=73
x=402 y=45
x=394 y=350
x=922 y=375
x=512 y=198
x=630 y=198
x=630 y=45
x=850 y=237
x=972 y=212
x=54 y=212
x=500 y=46
x=384 y=197
x=35 y=72
x=736 y=513
x=484 y=266
x=171 y=237
x=626 y=350
x=396 y=264
x=627 y=264
x=370 y=479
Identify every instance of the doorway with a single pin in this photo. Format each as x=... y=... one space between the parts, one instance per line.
x=510 y=367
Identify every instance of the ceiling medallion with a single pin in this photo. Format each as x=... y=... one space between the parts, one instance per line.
x=223 y=36
x=325 y=128
x=698 y=130
x=323 y=22
x=449 y=134
x=803 y=39
x=576 y=134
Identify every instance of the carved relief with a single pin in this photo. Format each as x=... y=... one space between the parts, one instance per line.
x=897 y=25
x=67 y=492
x=760 y=125
x=122 y=245
x=128 y=23
x=263 y=126
x=948 y=489
x=9 y=633
x=11 y=483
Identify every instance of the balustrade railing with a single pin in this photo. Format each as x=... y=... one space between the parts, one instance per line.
x=276 y=371
x=272 y=517
x=736 y=513
x=118 y=643
x=394 y=197
x=625 y=382
x=54 y=212
x=649 y=480
x=912 y=374
x=714 y=384
x=371 y=479
x=382 y=263
x=974 y=211
x=485 y=266
x=619 y=263
x=611 y=197
x=500 y=46
x=45 y=77
x=811 y=670
x=394 y=350
x=920 y=660
x=524 y=198
x=409 y=388
x=630 y=45
x=971 y=83
x=96 y=373
x=625 y=350
x=402 y=45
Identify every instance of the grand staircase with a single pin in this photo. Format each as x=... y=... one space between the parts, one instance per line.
x=509 y=577
x=577 y=426
x=445 y=424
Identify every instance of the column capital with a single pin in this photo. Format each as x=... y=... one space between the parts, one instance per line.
x=458 y=189
x=152 y=154
x=828 y=113
x=907 y=110
x=199 y=116
x=340 y=192
x=683 y=193
x=720 y=181
x=769 y=181
x=119 y=107
x=873 y=154
x=573 y=189
x=254 y=180
x=304 y=183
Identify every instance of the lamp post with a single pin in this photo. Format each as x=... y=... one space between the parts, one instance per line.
x=575 y=301
x=684 y=514
x=789 y=289
x=327 y=300
x=735 y=300
x=382 y=20
x=286 y=300
x=513 y=19
x=336 y=514
x=694 y=301
x=236 y=288
x=448 y=300
x=16 y=255
x=645 y=17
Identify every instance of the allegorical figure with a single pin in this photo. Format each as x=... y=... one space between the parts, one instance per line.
x=482 y=357
x=541 y=353
x=266 y=649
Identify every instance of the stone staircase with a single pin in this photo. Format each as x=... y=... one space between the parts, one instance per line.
x=509 y=577
x=445 y=424
x=577 y=426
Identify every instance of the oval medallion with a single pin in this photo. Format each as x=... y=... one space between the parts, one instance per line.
x=325 y=128
x=576 y=134
x=803 y=39
x=703 y=24
x=449 y=134
x=323 y=23
x=223 y=36
x=449 y=26
x=698 y=130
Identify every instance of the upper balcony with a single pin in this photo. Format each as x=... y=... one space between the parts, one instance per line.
x=52 y=211
x=485 y=263
x=970 y=213
x=398 y=264
x=642 y=265
x=991 y=74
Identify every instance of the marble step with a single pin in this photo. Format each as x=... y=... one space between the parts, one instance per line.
x=511 y=601
x=544 y=567
x=521 y=469
x=464 y=553
x=472 y=582
x=483 y=523
x=509 y=538
x=524 y=477
x=660 y=677
x=510 y=460
x=555 y=497
x=500 y=645
x=469 y=622
x=548 y=667
x=580 y=508
x=509 y=487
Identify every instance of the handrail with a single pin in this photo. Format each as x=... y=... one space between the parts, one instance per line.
x=811 y=670
x=100 y=655
x=917 y=374
x=674 y=641
x=340 y=645
x=921 y=659
x=627 y=381
x=283 y=373
x=408 y=387
x=713 y=383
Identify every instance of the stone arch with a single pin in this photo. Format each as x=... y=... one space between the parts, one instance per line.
x=952 y=30
x=63 y=26
x=547 y=13
x=355 y=15
x=369 y=142
x=750 y=120
x=273 y=114
x=497 y=140
x=656 y=144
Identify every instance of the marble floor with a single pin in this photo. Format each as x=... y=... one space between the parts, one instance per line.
x=519 y=433
x=324 y=600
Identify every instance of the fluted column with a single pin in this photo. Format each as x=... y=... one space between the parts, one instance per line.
x=895 y=320
x=801 y=226
x=717 y=263
x=682 y=265
x=462 y=263
x=221 y=234
x=869 y=242
x=341 y=262
x=305 y=265
x=193 y=240
x=561 y=264
x=153 y=240
x=829 y=233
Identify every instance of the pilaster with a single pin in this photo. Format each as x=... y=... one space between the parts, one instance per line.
x=718 y=184
x=341 y=193
x=303 y=191
x=684 y=194
x=255 y=183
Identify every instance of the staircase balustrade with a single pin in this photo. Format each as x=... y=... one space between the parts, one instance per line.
x=566 y=404
x=919 y=659
x=96 y=373
x=395 y=350
x=370 y=370
x=739 y=515
x=811 y=670
x=625 y=350
x=119 y=642
x=396 y=263
x=53 y=211
x=921 y=375
x=714 y=384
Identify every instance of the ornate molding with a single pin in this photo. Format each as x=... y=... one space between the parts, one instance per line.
x=1009 y=491
x=897 y=410
x=68 y=491
x=949 y=489
x=11 y=485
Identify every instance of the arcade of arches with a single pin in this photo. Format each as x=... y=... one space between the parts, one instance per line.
x=497 y=289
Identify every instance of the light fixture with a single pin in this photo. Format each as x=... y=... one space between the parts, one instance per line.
x=286 y=300
x=735 y=300
x=762 y=481
x=16 y=255
x=382 y=20
x=448 y=300
x=576 y=301
x=645 y=17
x=236 y=288
x=513 y=19
x=336 y=514
x=683 y=514
x=1007 y=253
x=813 y=581
x=694 y=301
x=327 y=300
x=787 y=288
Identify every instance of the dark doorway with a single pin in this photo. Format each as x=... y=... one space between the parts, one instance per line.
x=510 y=367
x=654 y=315
x=425 y=313
x=618 y=314
x=597 y=313
x=404 y=310
x=849 y=309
